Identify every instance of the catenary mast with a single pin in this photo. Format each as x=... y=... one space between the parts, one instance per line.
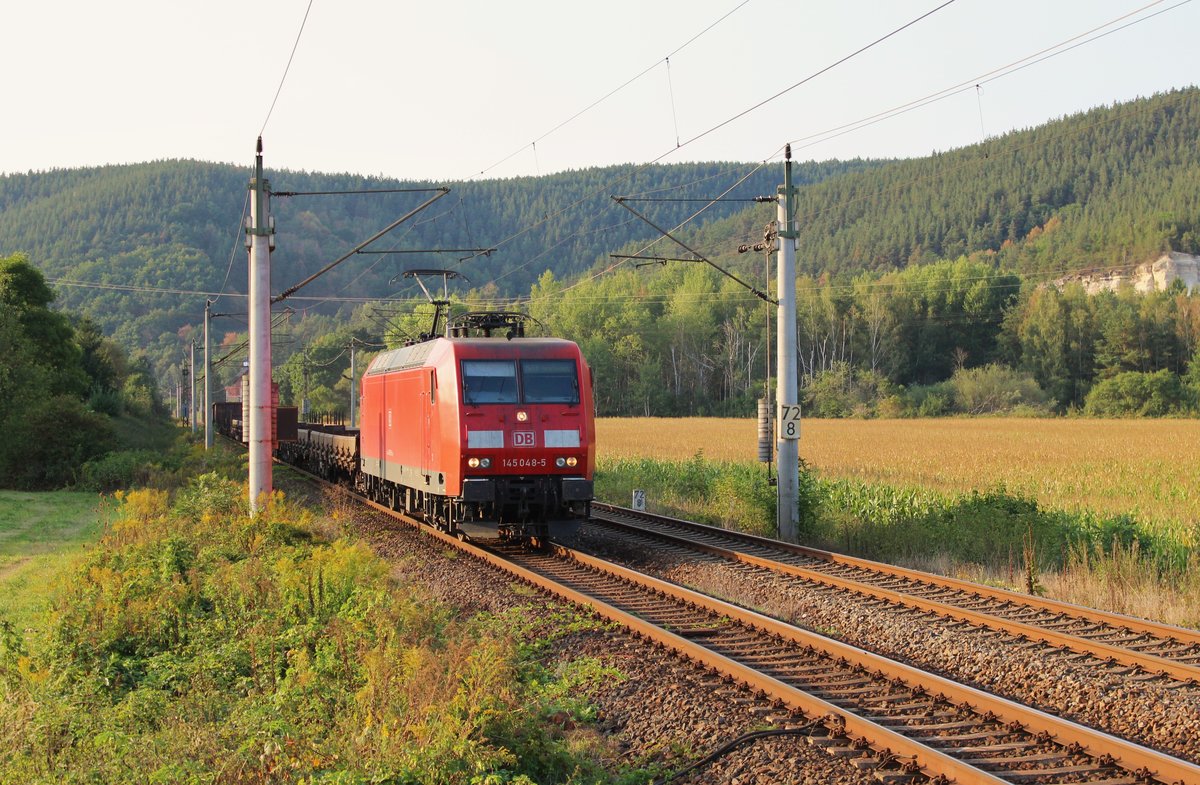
x=786 y=390
x=260 y=236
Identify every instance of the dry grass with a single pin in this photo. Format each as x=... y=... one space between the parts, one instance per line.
x=1120 y=581
x=1144 y=467
x=1132 y=590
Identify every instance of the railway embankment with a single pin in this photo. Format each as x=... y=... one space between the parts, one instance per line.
x=191 y=643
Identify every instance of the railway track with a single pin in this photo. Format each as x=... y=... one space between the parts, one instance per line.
x=1155 y=649
x=897 y=720
x=897 y=723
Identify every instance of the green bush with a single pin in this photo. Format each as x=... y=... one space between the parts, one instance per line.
x=845 y=391
x=118 y=470
x=994 y=389
x=45 y=445
x=1137 y=394
x=927 y=400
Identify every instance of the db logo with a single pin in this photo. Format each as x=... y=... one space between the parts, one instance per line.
x=524 y=439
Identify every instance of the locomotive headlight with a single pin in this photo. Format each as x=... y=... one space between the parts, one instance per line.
x=473 y=463
x=522 y=416
x=572 y=461
x=485 y=463
x=560 y=462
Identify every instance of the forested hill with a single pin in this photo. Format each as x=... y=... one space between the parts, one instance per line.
x=920 y=287
x=1118 y=182
x=1116 y=185
x=174 y=223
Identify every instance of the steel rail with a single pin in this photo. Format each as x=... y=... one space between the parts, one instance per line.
x=1129 y=755
x=1150 y=663
x=1133 y=623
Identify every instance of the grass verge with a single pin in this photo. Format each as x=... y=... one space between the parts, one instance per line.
x=1114 y=562
x=195 y=644
x=40 y=535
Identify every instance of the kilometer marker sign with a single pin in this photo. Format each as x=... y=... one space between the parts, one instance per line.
x=789 y=421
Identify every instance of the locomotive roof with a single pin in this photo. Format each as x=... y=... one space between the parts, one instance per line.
x=418 y=354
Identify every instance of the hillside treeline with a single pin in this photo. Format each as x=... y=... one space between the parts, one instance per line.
x=61 y=384
x=935 y=339
x=955 y=337
x=143 y=236
x=1111 y=187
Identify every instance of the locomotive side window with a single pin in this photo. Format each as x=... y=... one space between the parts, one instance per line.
x=489 y=381
x=550 y=381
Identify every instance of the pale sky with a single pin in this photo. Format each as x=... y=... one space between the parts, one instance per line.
x=445 y=90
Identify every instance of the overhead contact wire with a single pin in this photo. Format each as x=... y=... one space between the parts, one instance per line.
x=233 y=251
x=984 y=78
x=671 y=90
x=988 y=76
x=629 y=175
x=812 y=76
x=287 y=68
x=614 y=91
x=992 y=75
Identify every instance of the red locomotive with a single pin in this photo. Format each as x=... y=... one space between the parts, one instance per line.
x=477 y=435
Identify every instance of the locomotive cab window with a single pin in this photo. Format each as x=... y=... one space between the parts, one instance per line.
x=550 y=381
x=489 y=381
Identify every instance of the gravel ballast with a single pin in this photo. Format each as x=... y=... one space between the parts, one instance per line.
x=665 y=710
x=1150 y=710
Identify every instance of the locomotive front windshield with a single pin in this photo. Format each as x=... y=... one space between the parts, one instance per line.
x=549 y=381
x=489 y=381
x=542 y=381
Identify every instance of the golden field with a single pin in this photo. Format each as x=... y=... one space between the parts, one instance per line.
x=1149 y=468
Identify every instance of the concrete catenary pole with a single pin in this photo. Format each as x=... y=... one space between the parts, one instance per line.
x=191 y=387
x=260 y=234
x=208 y=432
x=353 y=387
x=786 y=391
x=304 y=397
x=184 y=414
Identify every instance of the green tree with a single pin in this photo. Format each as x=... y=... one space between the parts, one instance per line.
x=1051 y=334
x=23 y=290
x=49 y=433
x=103 y=360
